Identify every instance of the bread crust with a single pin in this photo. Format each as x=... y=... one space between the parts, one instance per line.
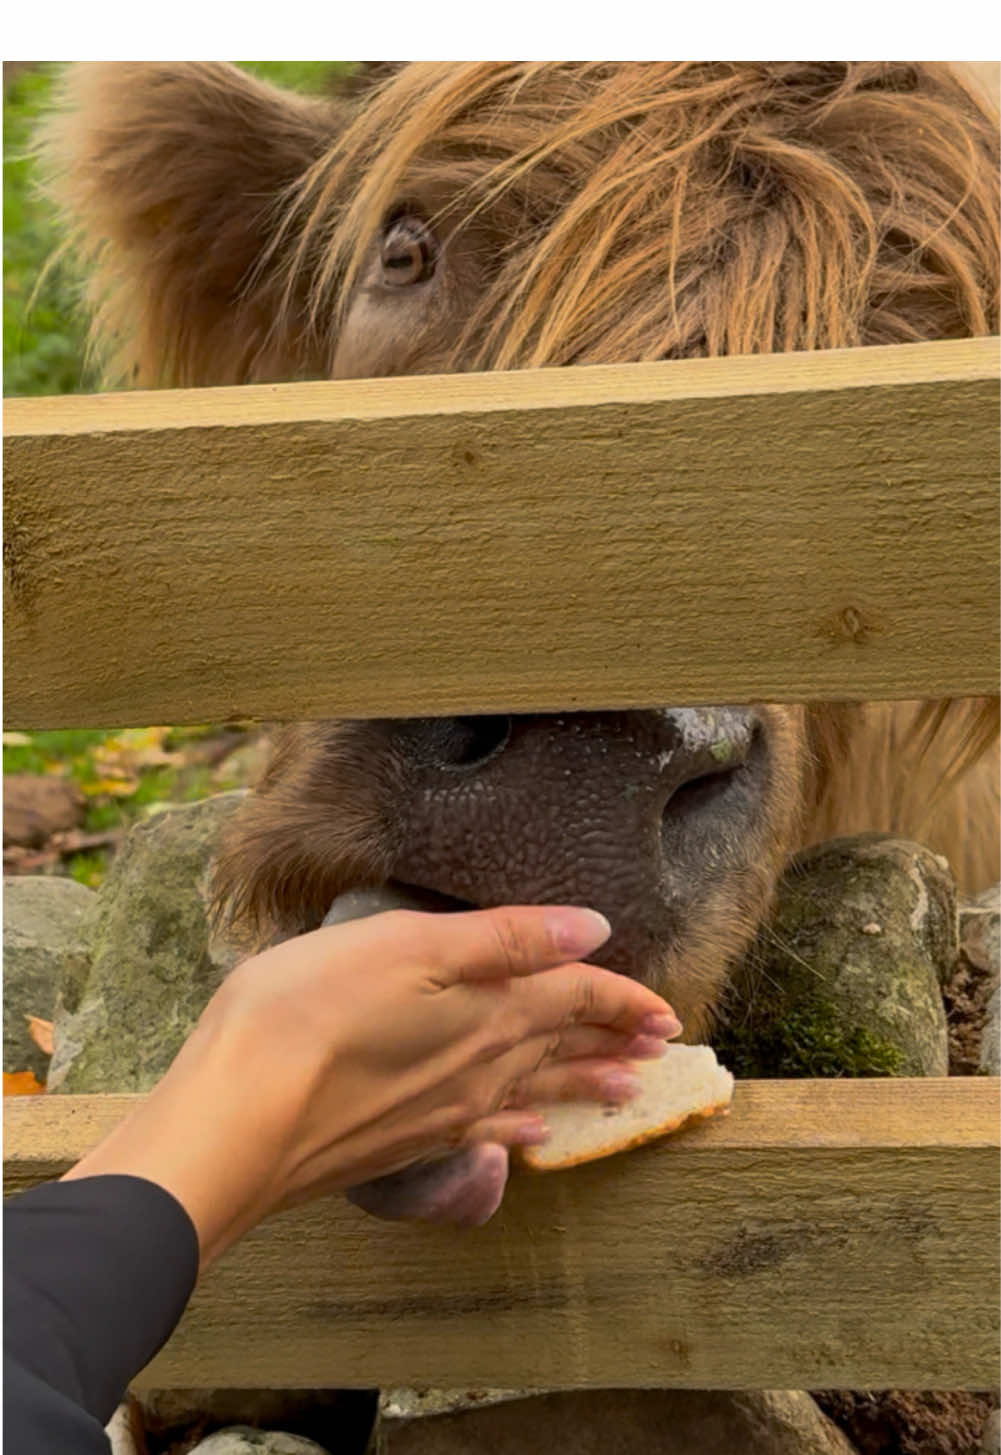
x=535 y=1157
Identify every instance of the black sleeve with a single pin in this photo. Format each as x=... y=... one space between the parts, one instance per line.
x=97 y=1272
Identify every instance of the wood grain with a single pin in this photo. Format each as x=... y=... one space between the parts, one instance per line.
x=777 y=528
x=826 y=1234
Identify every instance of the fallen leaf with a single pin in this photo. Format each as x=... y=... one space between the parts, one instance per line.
x=16 y=740
x=21 y=1083
x=124 y=754
x=40 y=1032
x=115 y=787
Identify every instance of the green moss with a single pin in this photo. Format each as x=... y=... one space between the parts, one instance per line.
x=806 y=1039
x=844 y=979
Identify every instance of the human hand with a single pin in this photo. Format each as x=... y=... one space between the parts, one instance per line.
x=351 y=1052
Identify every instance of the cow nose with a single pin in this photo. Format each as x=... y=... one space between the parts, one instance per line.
x=679 y=754
x=632 y=813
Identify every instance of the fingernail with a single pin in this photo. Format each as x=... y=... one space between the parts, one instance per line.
x=532 y=1134
x=645 y=1048
x=576 y=932
x=667 y=1026
x=619 y=1085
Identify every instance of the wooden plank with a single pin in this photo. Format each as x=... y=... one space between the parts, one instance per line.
x=778 y=528
x=826 y=1234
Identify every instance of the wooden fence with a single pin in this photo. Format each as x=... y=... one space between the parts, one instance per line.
x=777 y=528
x=815 y=526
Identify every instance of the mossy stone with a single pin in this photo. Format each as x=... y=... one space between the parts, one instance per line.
x=845 y=977
x=154 y=961
x=44 y=944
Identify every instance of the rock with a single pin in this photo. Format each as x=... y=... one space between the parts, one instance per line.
x=936 y=1422
x=845 y=978
x=245 y=764
x=340 y=1419
x=36 y=806
x=404 y=1403
x=990 y=1440
x=980 y=931
x=43 y=941
x=971 y=996
x=990 y=1044
x=618 y=1422
x=244 y=1440
x=154 y=961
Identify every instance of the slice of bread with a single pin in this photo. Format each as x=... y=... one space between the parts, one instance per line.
x=684 y=1085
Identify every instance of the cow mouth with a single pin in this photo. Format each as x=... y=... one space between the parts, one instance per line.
x=463 y=1187
x=429 y=901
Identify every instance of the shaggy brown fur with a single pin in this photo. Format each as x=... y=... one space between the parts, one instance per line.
x=632 y=212
x=589 y=213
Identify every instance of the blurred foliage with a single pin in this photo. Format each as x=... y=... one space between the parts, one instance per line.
x=43 y=330
x=123 y=776
x=130 y=774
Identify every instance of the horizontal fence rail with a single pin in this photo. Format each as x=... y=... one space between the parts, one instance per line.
x=826 y=1234
x=779 y=528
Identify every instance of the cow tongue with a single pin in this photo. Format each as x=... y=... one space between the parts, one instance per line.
x=464 y=1187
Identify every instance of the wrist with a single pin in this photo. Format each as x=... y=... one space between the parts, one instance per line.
x=201 y=1136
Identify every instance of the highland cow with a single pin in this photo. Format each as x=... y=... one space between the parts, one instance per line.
x=508 y=216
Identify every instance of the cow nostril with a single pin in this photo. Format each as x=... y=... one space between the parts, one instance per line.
x=713 y=774
x=470 y=741
x=700 y=791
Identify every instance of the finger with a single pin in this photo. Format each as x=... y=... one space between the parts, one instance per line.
x=512 y=1128
x=494 y=944
x=596 y=1041
x=587 y=995
x=583 y=1080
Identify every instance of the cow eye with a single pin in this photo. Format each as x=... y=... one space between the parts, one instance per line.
x=409 y=252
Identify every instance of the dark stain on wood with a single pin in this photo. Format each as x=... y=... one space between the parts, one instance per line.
x=755 y=1249
x=436 y=1305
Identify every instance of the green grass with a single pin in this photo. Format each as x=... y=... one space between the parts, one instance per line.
x=308 y=76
